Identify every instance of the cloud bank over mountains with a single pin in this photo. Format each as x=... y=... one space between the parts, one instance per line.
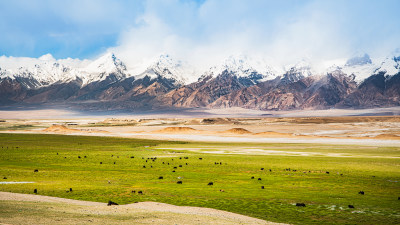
x=201 y=32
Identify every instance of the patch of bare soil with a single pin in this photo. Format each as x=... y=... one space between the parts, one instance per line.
x=388 y=136
x=138 y=213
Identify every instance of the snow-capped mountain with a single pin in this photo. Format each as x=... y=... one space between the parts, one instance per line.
x=101 y=68
x=297 y=72
x=165 y=66
x=238 y=81
x=243 y=66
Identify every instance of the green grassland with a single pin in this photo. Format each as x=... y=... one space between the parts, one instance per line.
x=374 y=170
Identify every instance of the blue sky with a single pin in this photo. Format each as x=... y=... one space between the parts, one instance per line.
x=285 y=30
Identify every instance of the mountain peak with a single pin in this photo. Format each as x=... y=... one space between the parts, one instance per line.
x=107 y=63
x=359 y=60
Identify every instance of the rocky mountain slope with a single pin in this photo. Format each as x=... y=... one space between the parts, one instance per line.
x=240 y=81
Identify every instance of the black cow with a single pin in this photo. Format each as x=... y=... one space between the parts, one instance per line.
x=101 y=162
x=210 y=183
x=351 y=206
x=262 y=187
x=179 y=182
x=35 y=191
x=36 y=171
x=160 y=177
x=175 y=167
x=252 y=177
x=200 y=158
x=132 y=157
x=259 y=178
x=70 y=189
x=262 y=168
x=173 y=171
x=361 y=192
x=4 y=178
x=180 y=165
x=301 y=204
x=144 y=166
x=111 y=203
x=327 y=172
x=140 y=192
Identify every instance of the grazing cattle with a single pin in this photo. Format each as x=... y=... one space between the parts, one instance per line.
x=173 y=171
x=140 y=192
x=262 y=168
x=210 y=183
x=186 y=164
x=85 y=156
x=146 y=160
x=112 y=155
x=168 y=163
x=65 y=157
x=270 y=170
x=114 y=162
x=186 y=157
x=151 y=166
x=262 y=187
x=301 y=204
x=36 y=171
x=200 y=158
x=57 y=152
x=361 y=192
x=180 y=157
x=221 y=190
x=133 y=191
x=111 y=203
x=179 y=182
x=351 y=206
x=160 y=177
x=398 y=198
x=252 y=177
x=79 y=157
x=132 y=157
x=163 y=162
x=180 y=165
x=35 y=191
x=4 y=178
x=259 y=178
x=144 y=166
x=327 y=172
x=175 y=167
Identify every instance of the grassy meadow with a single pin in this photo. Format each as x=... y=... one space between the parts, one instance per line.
x=104 y=168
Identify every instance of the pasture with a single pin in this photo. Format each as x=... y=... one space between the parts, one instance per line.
x=326 y=178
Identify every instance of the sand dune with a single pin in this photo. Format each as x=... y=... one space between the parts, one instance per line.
x=236 y=131
x=175 y=130
x=60 y=129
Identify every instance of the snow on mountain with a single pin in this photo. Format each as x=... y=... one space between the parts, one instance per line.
x=169 y=68
x=297 y=71
x=390 y=65
x=102 y=67
x=362 y=67
x=46 y=70
x=244 y=67
x=359 y=60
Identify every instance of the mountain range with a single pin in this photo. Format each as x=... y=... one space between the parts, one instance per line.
x=107 y=83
